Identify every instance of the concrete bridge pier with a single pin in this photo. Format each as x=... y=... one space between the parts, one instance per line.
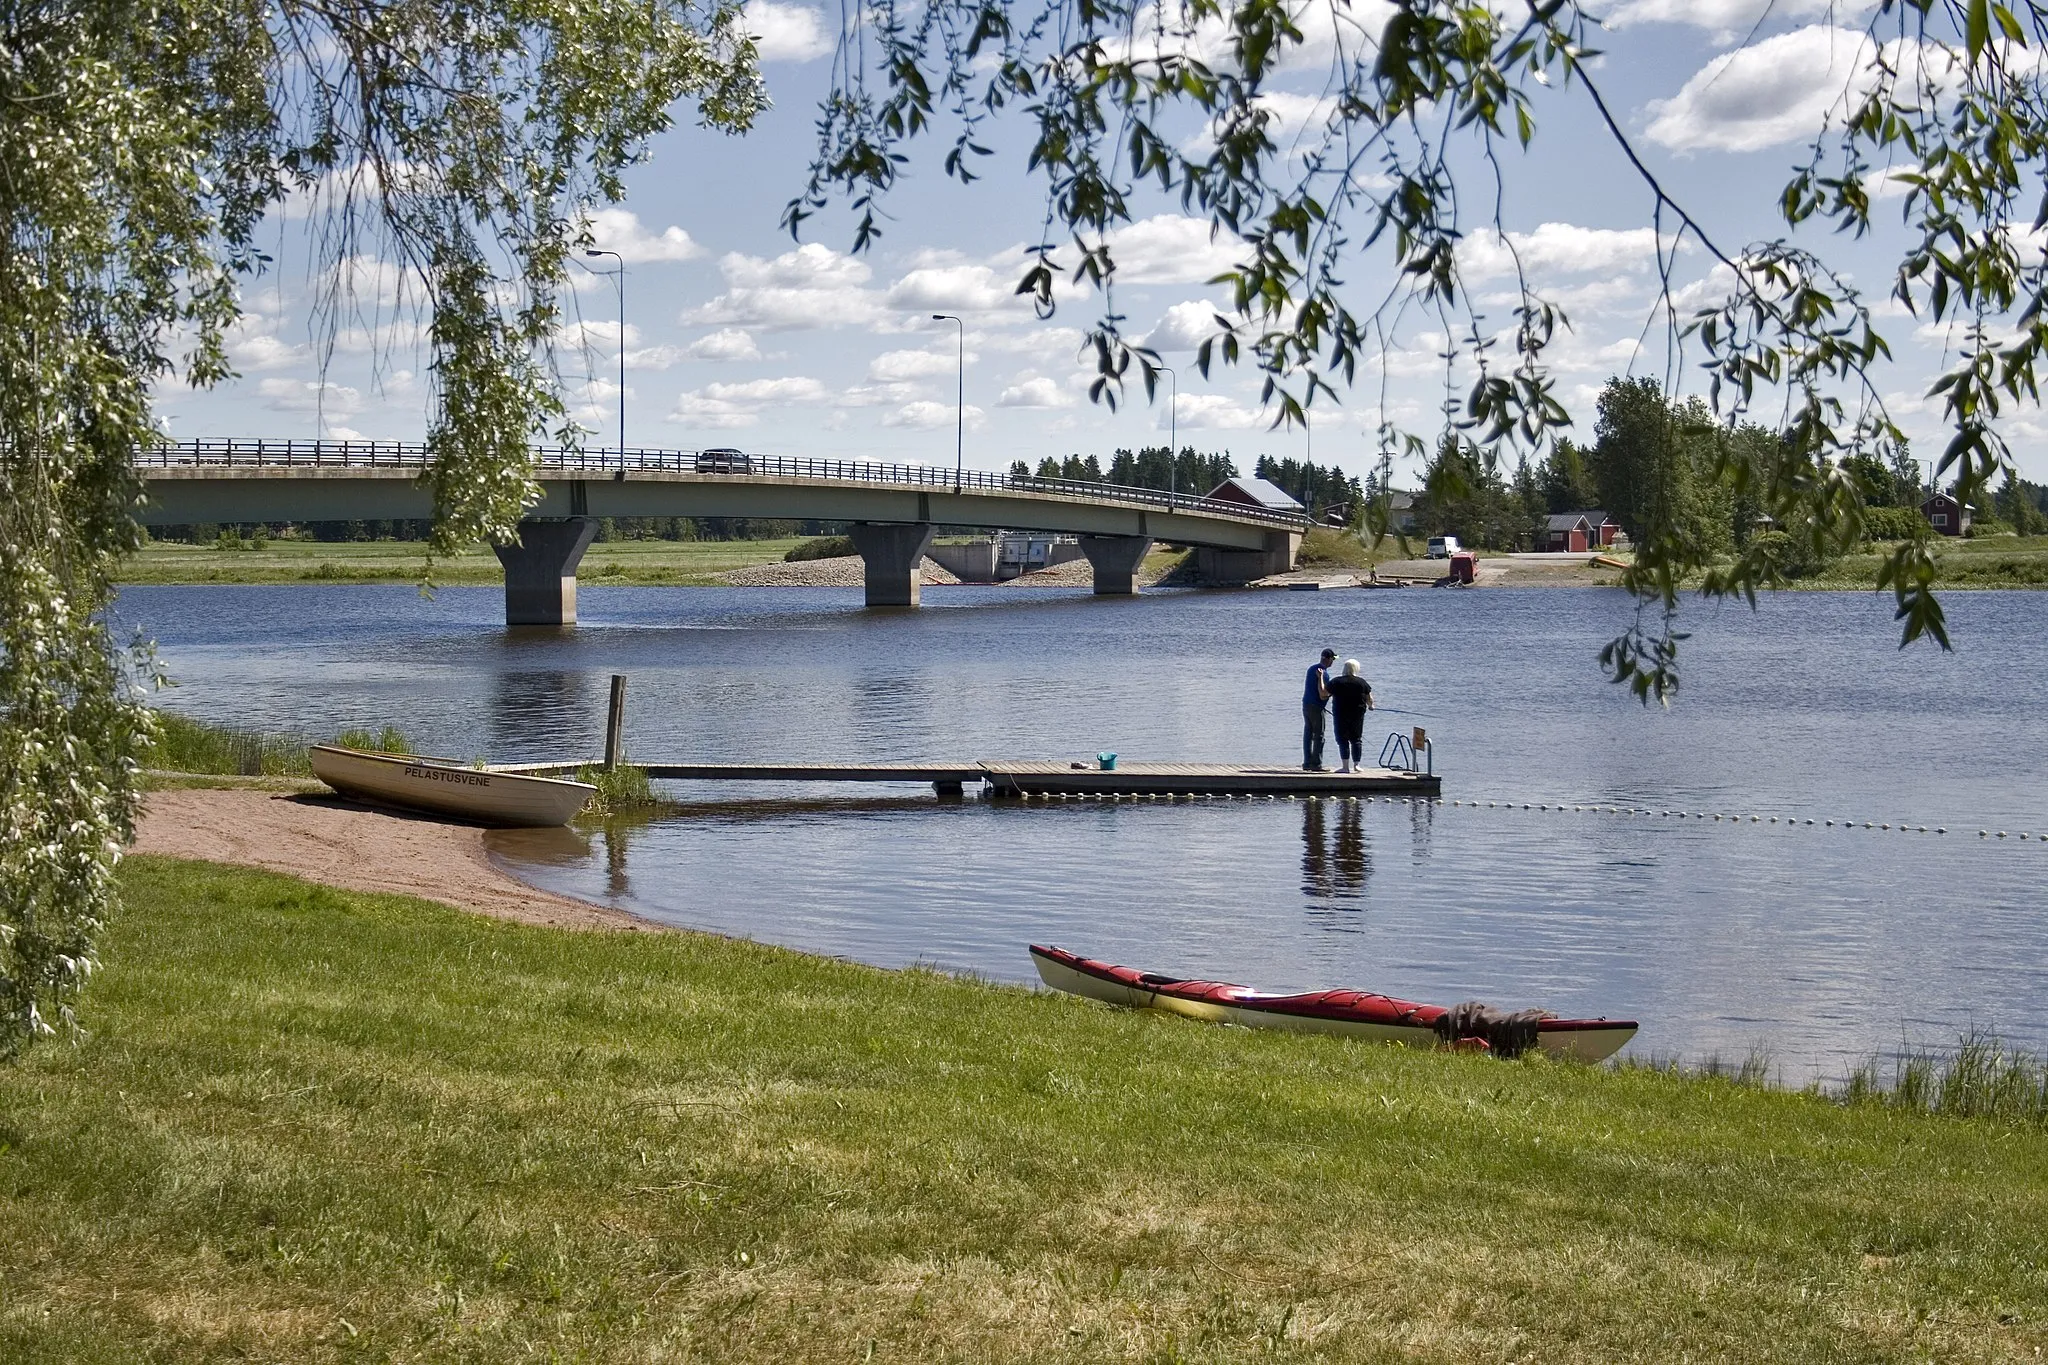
x=1115 y=560
x=894 y=556
x=540 y=571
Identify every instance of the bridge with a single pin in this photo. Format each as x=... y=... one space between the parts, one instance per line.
x=891 y=509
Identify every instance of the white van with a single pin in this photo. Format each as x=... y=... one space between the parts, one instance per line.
x=1443 y=547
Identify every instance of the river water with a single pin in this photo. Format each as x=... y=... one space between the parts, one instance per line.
x=1817 y=946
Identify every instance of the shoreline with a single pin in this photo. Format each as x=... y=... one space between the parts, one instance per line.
x=325 y=839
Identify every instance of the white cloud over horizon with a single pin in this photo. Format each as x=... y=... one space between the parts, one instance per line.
x=787 y=32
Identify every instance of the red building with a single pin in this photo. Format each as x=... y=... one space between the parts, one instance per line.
x=1946 y=515
x=1253 y=492
x=1567 y=532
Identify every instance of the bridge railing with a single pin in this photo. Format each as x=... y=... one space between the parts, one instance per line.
x=356 y=454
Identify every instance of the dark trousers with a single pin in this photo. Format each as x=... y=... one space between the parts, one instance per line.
x=1312 y=717
x=1351 y=739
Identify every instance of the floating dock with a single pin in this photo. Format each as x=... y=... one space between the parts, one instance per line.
x=1051 y=777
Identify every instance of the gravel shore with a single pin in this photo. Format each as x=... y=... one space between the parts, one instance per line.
x=846 y=571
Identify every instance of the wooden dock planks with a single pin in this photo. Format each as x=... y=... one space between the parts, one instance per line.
x=1199 y=779
x=1053 y=777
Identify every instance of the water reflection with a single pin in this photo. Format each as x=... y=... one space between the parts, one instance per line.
x=1338 y=871
x=544 y=711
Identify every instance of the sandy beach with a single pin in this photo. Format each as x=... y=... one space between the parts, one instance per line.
x=327 y=840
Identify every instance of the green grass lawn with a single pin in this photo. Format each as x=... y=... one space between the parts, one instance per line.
x=1990 y=562
x=624 y=562
x=311 y=1125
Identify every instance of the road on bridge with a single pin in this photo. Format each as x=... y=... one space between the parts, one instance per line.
x=891 y=509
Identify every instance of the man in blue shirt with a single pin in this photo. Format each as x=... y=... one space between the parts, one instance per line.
x=1315 y=700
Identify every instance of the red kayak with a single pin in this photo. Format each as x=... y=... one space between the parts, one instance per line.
x=1354 y=1014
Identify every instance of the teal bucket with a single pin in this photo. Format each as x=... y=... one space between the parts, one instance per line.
x=1107 y=760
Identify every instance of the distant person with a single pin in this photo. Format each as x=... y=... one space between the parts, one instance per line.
x=1315 y=698
x=1350 y=698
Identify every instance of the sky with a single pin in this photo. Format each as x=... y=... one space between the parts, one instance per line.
x=737 y=335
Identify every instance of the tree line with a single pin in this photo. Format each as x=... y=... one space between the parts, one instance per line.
x=1661 y=466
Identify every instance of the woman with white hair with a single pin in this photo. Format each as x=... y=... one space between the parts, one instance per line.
x=1350 y=699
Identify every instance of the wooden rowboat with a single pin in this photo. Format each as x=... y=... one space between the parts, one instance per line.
x=448 y=788
x=1353 y=1014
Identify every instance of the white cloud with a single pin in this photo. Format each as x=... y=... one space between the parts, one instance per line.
x=695 y=410
x=1171 y=249
x=1184 y=327
x=1064 y=342
x=727 y=343
x=620 y=230
x=595 y=334
x=1779 y=90
x=256 y=351
x=925 y=415
x=309 y=395
x=1558 y=249
x=812 y=286
x=729 y=406
x=1034 y=391
x=895 y=367
x=787 y=33
x=1720 y=16
x=1214 y=412
x=793 y=389
x=954 y=289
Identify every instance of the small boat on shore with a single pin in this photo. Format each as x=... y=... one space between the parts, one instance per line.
x=1350 y=1013
x=448 y=788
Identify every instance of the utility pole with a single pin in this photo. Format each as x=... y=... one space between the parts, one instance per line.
x=959 y=403
x=618 y=278
x=1172 y=436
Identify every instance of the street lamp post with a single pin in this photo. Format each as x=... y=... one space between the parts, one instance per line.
x=1172 y=435
x=959 y=403
x=618 y=278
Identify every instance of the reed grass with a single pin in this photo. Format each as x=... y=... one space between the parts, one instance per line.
x=1981 y=1078
x=185 y=745
x=620 y=790
x=310 y=1125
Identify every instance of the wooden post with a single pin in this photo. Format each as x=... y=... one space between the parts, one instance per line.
x=615 y=723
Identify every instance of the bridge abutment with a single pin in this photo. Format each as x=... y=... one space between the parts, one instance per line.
x=1242 y=566
x=893 y=553
x=1115 y=560
x=540 y=571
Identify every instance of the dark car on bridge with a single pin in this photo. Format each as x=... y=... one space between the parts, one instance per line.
x=724 y=460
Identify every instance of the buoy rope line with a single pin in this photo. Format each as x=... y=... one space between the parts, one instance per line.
x=1718 y=817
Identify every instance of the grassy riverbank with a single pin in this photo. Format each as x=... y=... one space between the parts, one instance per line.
x=641 y=563
x=313 y=1125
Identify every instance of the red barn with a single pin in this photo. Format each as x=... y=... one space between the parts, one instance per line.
x=1567 y=532
x=1946 y=515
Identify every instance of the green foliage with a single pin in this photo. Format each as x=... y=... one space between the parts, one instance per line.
x=821 y=547
x=1980 y=1079
x=1154 y=467
x=1431 y=96
x=1464 y=495
x=1328 y=547
x=621 y=790
x=139 y=150
x=1894 y=523
x=184 y=745
x=1567 y=481
x=1787 y=556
